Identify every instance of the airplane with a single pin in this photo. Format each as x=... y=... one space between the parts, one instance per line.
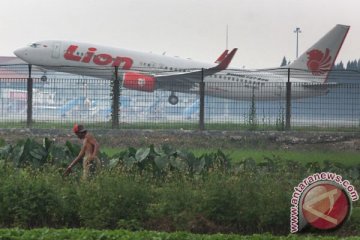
x=137 y=68
x=149 y=72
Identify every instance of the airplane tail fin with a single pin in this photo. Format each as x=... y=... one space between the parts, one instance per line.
x=222 y=56
x=224 y=63
x=318 y=60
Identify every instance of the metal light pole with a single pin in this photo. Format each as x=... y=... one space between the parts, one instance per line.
x=227 y=36
x=297 y=31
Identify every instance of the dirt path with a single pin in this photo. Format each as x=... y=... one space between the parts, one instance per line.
x=196 y=139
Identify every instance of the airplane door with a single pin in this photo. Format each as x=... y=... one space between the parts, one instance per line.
x=56 y=50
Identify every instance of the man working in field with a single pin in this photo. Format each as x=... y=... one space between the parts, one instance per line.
x=88 y=152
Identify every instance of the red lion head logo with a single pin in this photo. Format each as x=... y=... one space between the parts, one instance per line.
x=318 y=62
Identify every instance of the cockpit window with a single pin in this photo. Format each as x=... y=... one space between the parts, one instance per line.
x=35 y=45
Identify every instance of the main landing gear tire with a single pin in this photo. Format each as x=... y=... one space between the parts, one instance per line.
x=43 y=78
x=173 y=100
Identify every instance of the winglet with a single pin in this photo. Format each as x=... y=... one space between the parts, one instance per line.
x=222 y=56
x=225 y=63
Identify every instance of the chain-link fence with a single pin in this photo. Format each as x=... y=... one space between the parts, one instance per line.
x=277 y=99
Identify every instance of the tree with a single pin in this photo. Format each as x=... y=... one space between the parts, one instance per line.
x=340 y=66
x=284 y=62
x=355 y=65
x=348 y=65
x=352 y=65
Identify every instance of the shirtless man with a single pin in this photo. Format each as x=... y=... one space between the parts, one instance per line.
x=88 y=151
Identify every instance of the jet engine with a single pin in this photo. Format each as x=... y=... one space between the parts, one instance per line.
x=138 y=81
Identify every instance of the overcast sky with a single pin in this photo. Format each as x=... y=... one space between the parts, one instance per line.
x=262 y=30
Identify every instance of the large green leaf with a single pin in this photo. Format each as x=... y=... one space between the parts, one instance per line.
x=113 y=162
x=199 y=165
x=38 y=154
x=58 y=155
x=168 y=150
x=142 y=154
x=159 y=151
x=178 y=163
x=129 y=162
x=47 y=143
x=131 y=151
x=23 y=153
x=72 y=149
x=5 y=152
x=161 y=162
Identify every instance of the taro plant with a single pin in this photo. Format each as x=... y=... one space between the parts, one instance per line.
x=164 y=159
x=33 y=154
x=27 y=152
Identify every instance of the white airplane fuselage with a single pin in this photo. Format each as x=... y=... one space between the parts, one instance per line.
x=148 y=72
x=86 y=57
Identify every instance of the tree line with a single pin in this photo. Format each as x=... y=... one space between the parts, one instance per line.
x=350 y=65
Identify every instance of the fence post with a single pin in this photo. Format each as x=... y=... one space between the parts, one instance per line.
x=202 y=102
x=29 y=98
x=115 y=99
x=288 y=103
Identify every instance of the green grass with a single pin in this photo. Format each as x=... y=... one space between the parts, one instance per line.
x=346 y=158
x=140 y=235
x=176 y=125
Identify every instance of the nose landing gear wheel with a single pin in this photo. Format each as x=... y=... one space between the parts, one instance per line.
x=173 y=100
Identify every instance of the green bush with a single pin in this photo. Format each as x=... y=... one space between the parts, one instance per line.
x=27 y=200
x=245 y=203
x=111 y=199
x=158 y=189
x=175 y=206
x=75 y=234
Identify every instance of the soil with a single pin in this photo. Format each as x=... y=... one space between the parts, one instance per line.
x=335 y=141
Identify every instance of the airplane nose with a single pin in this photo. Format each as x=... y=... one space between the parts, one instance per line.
x=21 y=52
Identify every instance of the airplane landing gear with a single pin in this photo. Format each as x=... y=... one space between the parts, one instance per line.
x=43 y=78
x=173 y=99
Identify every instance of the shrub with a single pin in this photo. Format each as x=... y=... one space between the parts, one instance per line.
x=160 y=189
x=28 y=201
x=110 y=200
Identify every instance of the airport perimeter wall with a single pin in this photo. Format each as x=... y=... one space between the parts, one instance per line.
x=28 y=99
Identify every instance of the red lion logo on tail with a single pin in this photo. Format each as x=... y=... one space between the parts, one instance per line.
x=318 y=62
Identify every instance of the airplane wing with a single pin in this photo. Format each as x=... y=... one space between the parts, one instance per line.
x=322 y=85
x=188 y=80
x=15 y=67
